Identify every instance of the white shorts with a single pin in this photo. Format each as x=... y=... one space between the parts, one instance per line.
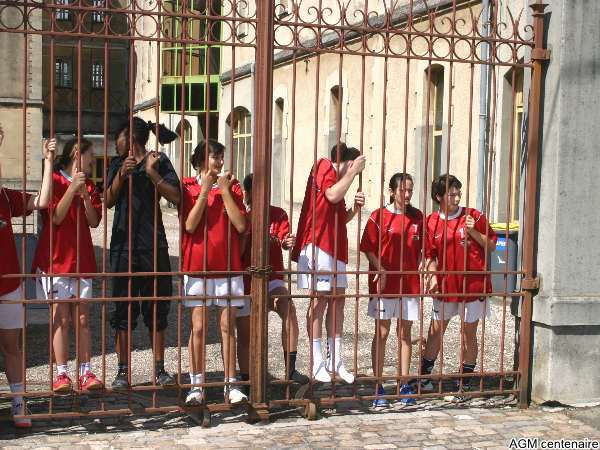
x=11 y=314
x=324 y=262
x=244 y=311
x=473 y=310
x=217 y=287
x=62 y=288
x=389 y=308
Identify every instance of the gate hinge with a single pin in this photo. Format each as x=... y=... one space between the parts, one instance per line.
x=530 y=284
x=261 y=272
x=540 y=54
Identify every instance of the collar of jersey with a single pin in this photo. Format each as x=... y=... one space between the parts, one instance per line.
x=198 y=181
x=452 y=216
x=390 y=207
x=68 y=177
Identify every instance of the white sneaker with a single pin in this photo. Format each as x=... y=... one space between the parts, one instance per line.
x=194 y=397
x=22 y=422
x=341 y=371
x=320 y=373
x=236 y=396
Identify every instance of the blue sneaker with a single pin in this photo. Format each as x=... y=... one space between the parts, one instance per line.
x=380 y=402
x=407 y=390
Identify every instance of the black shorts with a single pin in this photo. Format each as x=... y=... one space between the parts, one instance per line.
x=141 y=286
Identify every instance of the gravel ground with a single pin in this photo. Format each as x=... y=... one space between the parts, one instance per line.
x=498 y=329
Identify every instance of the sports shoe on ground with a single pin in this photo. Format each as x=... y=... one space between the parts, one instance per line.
x=89 y=382
x=62 y=384
x=120 y=382
x=405 y=389
x=320 y=373
x=298 y=377
x=426 y=385
x=380 y=402
x=341 y=371
x=164 y=378
x=194 y=397
x=23 y=422
x=236 y=396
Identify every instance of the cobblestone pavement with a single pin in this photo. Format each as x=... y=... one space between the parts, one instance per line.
x=436 y=428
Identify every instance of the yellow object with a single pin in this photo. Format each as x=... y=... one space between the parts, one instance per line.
x=501 y=226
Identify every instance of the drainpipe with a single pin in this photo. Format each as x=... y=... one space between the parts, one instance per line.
x=484 y=92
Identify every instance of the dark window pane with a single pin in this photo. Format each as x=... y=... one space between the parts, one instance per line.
x=214 y=96
x=197 y=97
x=167 y=95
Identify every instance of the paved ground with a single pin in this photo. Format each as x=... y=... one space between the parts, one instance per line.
x=436 y=428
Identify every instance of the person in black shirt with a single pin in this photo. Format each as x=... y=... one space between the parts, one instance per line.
x=147 y=171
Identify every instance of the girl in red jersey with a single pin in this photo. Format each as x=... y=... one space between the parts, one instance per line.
x=76 y=206
x=455 y=234
x=399 y=226
x=212 y=205
x=14 y=204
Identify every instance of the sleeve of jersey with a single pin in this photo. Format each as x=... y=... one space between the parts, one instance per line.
x=96 y=199
x=187 y=202
x=238 y=196
x=167 y=171
x=283 y=226
x=430 y=250
x=325 y=175
x=368 y=242
x=482 y=225
x=56 y=196
x=18 y=203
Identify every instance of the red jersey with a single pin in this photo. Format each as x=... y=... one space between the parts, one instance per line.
x=447 y=246
x=400 y=247
x=279 y=228
x=322 y=177
x=65 y=249
x=221 y=234
x=12 y=204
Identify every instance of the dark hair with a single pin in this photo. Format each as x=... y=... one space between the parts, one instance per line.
x=69 y=149
x=141 y=131
x=345 y=153
x=396 y=180
x=247 y=183
x=438 y=186
x=199 y=155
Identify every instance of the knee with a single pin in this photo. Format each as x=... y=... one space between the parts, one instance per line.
x=83 y=322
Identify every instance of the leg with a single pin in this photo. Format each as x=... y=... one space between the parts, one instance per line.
x=382 y=331
x=405 y=336
x=243 y=345
x=60 y=332
x=434 y=338
x=470 y=343
x=197 y=342
x=228 y=340
x=13 y=358
x=285 y=308
x=84 y=331
x=334 y=325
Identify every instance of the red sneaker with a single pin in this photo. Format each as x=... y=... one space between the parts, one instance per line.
x=89 y=382
x=62 y=384
x=22 y=422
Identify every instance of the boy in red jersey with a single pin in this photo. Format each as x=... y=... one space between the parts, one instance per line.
x=14 y=204
x=322 y=246
x=280 y=239
x=398 y=226
x=213 y=209
x=453 y=235
x=75 y=204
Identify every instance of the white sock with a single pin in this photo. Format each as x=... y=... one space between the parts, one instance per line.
x=334 y=344
x=317 y=353
x=17 y=400
x=62 y=368
x=196 y=379
x=230 y=380
x=84 y=368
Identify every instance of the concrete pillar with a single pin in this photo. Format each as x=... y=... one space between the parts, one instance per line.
x=566 y=313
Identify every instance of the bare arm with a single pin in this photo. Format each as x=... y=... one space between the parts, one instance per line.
x=195 y=216
x=90 y=212
x=480 y=238
x=168 y=191
x=359 y=202
x=379 y=277
x=336 y=193
x=42 y=199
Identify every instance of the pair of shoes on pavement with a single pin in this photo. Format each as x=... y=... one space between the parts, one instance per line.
x=87 y=382
x=405 y=389
x=235 y=396
x=322 y=372
x=298 y=377
x=163 y=378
